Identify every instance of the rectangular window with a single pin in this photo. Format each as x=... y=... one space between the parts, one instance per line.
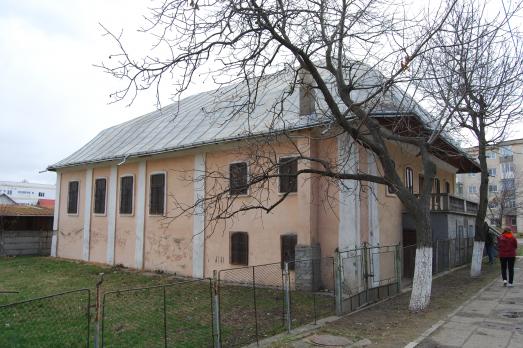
x=240 y=248
x=492 y=188
x=473 y=189
x=72 y=197
x=126 y=194
x=492 y=172
x=490 y=154
x=238 y=178
x=505 y=151
x=460 y=188
x=288 y=247
x=157 y=194
x=507 y=167
x=100 y=188
x=288 y=169
x=41 y=194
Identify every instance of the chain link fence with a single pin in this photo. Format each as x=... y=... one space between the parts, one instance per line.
x=237 y=307
x=177 y=314
x=60 y=320
x=251 y=303
x=312 y=290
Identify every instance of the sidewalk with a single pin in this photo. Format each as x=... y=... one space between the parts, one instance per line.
x=492 y=318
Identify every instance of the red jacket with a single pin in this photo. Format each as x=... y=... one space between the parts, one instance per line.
x=507 y=245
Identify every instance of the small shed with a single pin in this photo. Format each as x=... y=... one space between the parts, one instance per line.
x=25 y=230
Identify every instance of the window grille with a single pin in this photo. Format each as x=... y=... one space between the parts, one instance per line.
x=100 y=188
x=240 y=248
x=126 y=194
x=288 y=169
x=238 y=178
x=72 y=198
x=288 y=247
x=157 y=194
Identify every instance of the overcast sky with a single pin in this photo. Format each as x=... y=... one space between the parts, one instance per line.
x=52 y=99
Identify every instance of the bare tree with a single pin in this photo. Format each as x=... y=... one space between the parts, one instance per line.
x=348 y=54
x=475 y=76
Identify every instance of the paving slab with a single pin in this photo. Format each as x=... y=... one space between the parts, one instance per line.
x=493 y=318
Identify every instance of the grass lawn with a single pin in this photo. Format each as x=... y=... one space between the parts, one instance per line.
x=135 y=317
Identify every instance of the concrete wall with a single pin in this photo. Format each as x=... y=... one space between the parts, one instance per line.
x=15 y=243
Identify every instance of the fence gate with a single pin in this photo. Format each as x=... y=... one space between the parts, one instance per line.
x=367 y=274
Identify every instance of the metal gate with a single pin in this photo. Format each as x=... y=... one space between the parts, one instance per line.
x=366 y=275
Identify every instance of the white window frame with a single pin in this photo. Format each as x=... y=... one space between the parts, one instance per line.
x=412 y=178
x=77 y=199
x=119 y=195
x=297 y=169
x=106 y=194
x=165 y=191
x=248 y=178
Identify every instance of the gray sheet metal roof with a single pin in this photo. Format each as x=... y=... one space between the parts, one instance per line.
x=216 y=116
x=205 y=118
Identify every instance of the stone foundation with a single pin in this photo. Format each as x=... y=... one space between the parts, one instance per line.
x=308 y=268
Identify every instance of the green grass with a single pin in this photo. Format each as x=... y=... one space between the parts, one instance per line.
x=136 y=318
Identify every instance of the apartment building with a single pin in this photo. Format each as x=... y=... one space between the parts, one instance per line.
x=505 y=165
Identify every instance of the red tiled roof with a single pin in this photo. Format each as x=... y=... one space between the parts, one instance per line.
x=46 y=203
x=25 y=210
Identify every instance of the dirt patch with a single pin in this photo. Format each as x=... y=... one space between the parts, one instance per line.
x=390 y=324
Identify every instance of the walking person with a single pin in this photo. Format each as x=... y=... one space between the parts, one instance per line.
x=507 y=245
x=489 y=245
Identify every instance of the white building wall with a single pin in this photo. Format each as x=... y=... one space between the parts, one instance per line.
x=26 y=192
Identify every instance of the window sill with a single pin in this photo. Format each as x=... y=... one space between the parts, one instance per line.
x=288 y=194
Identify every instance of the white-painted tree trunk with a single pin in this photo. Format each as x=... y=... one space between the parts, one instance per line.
x=477 y=257
x=422 y=283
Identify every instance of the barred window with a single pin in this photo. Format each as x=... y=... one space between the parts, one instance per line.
x=157 y=194
x=288 y=169
x=288 y=246
x=100 y=188
x=240 y=248
x=238 y=178
x=126 y=194
x=409 y=179
x=72 y=198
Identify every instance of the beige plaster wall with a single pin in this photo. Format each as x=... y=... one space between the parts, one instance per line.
x=70 y=228
x=98 y=239
x=391 y=208
x=168 y=241
x=293 y=215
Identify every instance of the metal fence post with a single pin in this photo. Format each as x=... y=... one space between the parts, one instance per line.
x=338 y=281
x=437 y=256
x=287 y=296
x=397 y=263
x=365 y=252
x=98 y=307
x=164 y=318
x=216 y=309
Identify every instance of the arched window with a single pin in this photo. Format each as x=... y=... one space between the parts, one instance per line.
x=409 y=179
x=437 y=187
x=240 y=248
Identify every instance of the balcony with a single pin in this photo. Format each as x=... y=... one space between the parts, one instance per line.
x=445 y=202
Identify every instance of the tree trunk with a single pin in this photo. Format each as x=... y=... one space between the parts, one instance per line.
x=422 y=282
x=477 y=257
x=481 y=231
